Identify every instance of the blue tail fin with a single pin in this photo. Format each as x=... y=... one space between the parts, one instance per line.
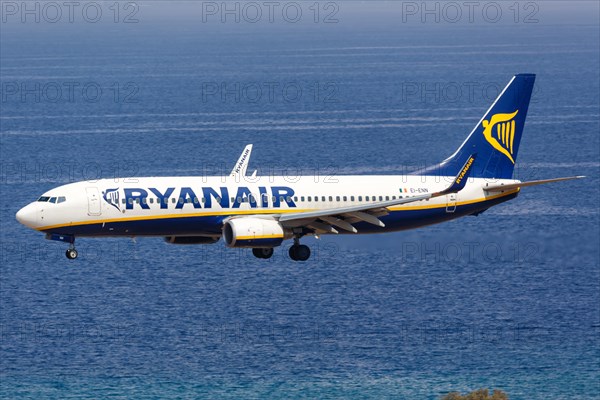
x=496 y=136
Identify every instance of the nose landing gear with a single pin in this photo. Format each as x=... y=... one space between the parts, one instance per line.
x=71 y=253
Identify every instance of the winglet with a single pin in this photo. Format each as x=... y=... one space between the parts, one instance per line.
x=461 y=179
x=242 y=163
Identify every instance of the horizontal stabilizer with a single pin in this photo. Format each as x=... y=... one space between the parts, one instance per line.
x=501 y=188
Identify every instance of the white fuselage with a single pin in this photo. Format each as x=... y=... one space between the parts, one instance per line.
x=158 y=206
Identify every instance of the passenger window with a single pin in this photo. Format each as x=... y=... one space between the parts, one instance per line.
x=180 y=200
x=281 y=199
x=137 y=201
x=393 y=197
x=345 y=198
x=144 y=200
x=151 y=200
x=366 y=198
x=295 y=198
x=309 y=198
x=337 y=198
x=387 y=198
x=301 y=198
x=195 y=200
x=52 y=199
x=173 y=200
x=288 y=198
x=316 y=198
x=359 y=198
x=330 y=198
x=130 y=201
x=351 y=198
x=380 y=198
x=323 y=198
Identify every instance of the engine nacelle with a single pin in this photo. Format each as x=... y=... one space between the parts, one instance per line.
x=254 y=232
x=191 y=239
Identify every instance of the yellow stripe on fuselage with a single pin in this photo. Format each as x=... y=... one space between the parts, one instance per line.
x=253 y=212
x=274 y=236
x=166 y=216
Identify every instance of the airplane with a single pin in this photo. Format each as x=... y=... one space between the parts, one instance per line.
x=261 y=212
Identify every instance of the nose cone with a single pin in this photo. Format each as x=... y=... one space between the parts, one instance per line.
x=28 y=215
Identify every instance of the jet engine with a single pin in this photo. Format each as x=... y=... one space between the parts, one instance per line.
x=254 y=232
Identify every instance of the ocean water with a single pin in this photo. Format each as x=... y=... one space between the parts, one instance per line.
x=509 y=299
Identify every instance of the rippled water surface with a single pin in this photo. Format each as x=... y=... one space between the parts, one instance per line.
x=507 y=300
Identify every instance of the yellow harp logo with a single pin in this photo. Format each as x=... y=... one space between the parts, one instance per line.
x=499 y=131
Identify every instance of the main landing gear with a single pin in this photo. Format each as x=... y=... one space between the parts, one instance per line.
x=266 y=252
x=299 y=252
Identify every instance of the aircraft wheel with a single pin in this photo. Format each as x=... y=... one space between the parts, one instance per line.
x=292 y=252
x=303 y=252
x=263 y=252
x=71 y=254
x=299 y=252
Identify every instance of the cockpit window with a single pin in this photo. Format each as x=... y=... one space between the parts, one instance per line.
x=55 y=199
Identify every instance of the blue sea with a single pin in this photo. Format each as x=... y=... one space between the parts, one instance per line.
x=508 y=300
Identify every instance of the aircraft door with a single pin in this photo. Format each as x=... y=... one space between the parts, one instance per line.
x=93 y=201
x=451 y=203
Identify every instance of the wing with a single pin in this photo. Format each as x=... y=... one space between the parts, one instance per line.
x=502 y=187
x=328 y=220
x=242 y=163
